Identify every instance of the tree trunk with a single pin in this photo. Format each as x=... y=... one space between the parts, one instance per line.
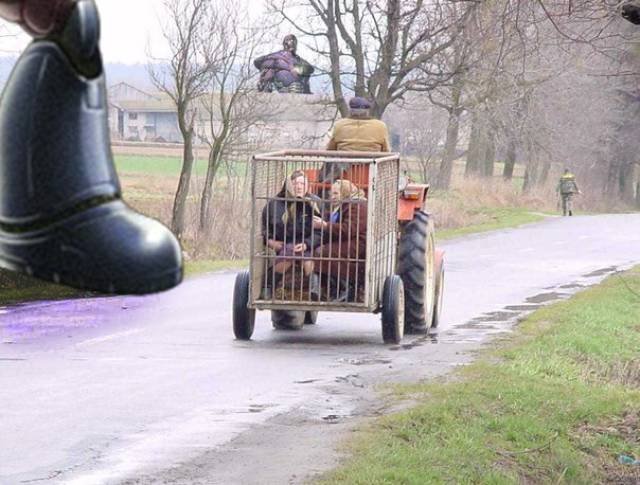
x=334 y=56
x=510 y=161
x=215 y=155
x=446 y=167
x=180 y=201
x=545 y=167
x=529 y=176
x=424 y=165
x=481 y=152
x=474 y=149
x=531 y=172
x=611 y=183
x=626 y=181
x=489 y=158
x=536 y=174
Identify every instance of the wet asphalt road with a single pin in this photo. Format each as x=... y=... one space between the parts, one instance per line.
x=103 y=390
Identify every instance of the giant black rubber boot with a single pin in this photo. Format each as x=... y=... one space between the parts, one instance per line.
x=61 y=215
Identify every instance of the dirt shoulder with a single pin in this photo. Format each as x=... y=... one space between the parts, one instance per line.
x=299 y=446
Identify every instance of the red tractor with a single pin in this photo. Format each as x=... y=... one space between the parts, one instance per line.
x=400 y=273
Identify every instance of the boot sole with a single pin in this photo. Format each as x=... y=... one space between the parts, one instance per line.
x=119 y=263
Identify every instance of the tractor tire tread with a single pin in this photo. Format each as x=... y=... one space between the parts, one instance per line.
x=411 y=268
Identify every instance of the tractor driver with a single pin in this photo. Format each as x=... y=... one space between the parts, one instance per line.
x=358 y=132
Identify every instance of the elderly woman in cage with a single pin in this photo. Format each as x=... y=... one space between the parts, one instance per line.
x=342 y=255
x=288 y=228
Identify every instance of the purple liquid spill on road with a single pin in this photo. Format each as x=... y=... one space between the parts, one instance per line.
x=22 y=322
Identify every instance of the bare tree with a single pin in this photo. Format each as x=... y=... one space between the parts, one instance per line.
x=232 y=105
x=468 y=86
x=375 y=48
x=183 y=78
x=579 y=118
x=420 y=127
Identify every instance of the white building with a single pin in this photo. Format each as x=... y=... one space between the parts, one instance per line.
x=279 y=120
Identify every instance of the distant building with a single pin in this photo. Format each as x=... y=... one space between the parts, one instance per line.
x=135 y=115
x=284 y=120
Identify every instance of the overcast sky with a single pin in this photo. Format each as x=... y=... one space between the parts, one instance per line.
x=127 y=28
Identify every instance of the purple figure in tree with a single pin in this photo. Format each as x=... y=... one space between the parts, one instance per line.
x=284 y=71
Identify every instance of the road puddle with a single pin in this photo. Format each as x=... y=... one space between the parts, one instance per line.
x=498 y=316
x=475 y=325
x=306 y=381
x=258 y=408
x=352 y=379
x=523 y=308
x=333 y=418
x=546 y=297
x=601 y=272
x=480 y=328
x=573 y=286
x=364 y=361
x=430 y=338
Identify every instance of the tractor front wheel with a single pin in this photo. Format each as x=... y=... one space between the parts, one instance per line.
x=416 y=267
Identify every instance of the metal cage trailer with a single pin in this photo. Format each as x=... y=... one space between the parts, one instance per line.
x=342 y=232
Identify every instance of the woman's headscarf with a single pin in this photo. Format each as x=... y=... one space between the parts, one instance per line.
x=348 y=191
x=288 y=192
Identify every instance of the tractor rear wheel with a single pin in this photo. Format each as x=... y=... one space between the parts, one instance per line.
x=310 y=318
x=416 y=267
x=287 y=319
x=244 y=318
x=392 y=310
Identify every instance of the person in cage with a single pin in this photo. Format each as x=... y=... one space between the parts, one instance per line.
x=288 y=229
x=342 y=256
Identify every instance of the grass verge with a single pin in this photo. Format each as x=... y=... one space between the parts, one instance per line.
x=194 y=268
x=18 y=288
x=556 y=402
x=494 y=218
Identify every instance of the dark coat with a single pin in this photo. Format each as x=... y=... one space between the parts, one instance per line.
x=346 y=239
x=296 y=229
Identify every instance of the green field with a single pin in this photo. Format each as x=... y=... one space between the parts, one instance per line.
x=154 y=165
x=557 y=402
x=158 y=165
